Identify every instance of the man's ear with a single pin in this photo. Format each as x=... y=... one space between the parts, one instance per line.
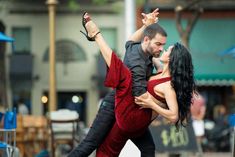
x=146 y=39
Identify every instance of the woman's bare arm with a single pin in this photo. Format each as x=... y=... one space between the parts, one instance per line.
x=170 y=113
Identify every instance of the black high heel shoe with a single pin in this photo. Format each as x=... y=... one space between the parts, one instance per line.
x=84 y=21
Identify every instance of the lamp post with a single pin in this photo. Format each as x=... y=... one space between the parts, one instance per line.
x=130 y=22
x=52 y=81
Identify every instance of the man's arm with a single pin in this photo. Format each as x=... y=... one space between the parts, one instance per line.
x=138 y=34
x=139 y=77
x=133 y=59
x=147 y=20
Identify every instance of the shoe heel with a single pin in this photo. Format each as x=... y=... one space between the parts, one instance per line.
x=88 y=38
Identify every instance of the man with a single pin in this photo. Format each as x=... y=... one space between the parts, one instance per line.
x=139 y=61
x=198 y=111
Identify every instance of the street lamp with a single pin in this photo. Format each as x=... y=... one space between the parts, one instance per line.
x=52 y=81
x=130 y=17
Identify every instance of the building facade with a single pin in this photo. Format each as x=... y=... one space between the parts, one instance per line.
x=77 y=64
x=79 y=69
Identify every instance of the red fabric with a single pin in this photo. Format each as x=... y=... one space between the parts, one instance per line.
x=129 y=116
x=113 y=143
x=131 y=121
x=153 y=83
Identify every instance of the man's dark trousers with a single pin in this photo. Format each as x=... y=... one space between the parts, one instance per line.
x=101 y=126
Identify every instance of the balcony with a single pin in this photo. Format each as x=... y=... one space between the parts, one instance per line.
x=21 y=67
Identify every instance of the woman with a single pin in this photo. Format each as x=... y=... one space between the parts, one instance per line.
x=173 y=86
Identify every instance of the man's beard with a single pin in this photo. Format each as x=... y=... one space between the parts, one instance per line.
x=151 y=52
x=156 y=55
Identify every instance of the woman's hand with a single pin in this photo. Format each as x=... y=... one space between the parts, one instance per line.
x=150 y=18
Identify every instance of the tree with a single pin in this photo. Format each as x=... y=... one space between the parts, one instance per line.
x=194 y=11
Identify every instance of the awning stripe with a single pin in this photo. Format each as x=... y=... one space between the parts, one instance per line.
x=215 y=79
x=215 y=82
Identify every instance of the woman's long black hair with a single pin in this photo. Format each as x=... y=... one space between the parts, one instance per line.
x=182 y=73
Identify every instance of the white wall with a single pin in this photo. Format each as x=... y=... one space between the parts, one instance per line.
x=79 y=74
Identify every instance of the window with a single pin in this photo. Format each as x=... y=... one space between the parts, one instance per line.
x=110 y=35
x=22 y=37
x=67 y=51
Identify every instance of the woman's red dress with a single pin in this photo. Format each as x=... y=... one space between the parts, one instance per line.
x=131 y=121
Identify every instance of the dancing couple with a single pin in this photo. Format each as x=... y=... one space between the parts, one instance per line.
x=139 y=96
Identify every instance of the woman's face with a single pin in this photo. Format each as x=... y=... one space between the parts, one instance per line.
x=165 y=57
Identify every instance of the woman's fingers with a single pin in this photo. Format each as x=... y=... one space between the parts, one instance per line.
x=156 y=10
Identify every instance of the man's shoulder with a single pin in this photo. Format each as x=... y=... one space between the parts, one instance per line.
x=132 y=44
x=132 y=55
x=132 y=47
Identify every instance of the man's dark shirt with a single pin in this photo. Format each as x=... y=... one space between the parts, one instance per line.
x=140 y=65
x=141 y=68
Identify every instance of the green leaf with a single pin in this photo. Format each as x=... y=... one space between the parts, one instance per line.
x=140 y=2
x=100 y=2
x=73 y=5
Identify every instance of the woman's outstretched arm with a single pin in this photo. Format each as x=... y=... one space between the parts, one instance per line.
x=170 y=113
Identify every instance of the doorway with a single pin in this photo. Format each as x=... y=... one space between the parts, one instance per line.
x=73 y=100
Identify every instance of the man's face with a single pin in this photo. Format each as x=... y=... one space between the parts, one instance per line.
x=155 y=45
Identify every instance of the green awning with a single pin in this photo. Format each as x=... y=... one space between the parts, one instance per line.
x=213 y=70
x=215 y=79
x=210 y=68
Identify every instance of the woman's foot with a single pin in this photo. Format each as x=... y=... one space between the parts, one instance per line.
x=91 y=29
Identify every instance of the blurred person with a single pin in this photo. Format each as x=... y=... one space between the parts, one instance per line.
x=173 y=86
x=220 y=118
x=198 y=111
x=141 y=67
x=22 y=108
x=220 y=115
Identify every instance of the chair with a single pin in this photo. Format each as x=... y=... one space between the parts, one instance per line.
x=63 y=128
x=31 y=134
x=20 y=140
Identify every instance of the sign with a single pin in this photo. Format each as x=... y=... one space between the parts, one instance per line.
x=168 y=139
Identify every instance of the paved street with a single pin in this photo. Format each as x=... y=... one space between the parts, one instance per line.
x=215 y=154
x=130 y=150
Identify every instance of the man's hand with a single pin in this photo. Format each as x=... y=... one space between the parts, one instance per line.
x=145 y=100
x=150 y=18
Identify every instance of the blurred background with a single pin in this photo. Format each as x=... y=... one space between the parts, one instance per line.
x=206 y=27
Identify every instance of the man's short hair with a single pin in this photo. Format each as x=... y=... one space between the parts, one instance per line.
x=153 y=29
